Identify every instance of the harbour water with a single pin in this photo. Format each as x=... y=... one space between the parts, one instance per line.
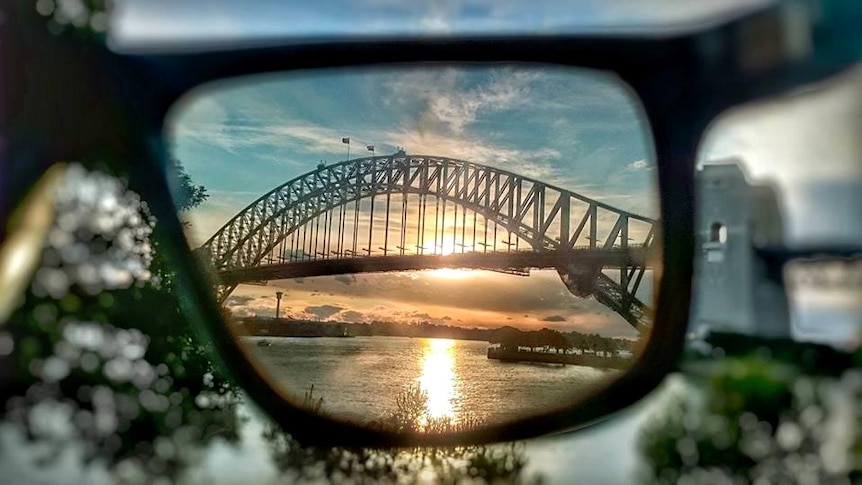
x=359 y=378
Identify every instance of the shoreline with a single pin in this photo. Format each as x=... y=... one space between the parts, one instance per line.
x=565 y=359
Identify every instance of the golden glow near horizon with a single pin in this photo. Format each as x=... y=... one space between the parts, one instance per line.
x=438 y=377
x=450 y=273
x=447 y=248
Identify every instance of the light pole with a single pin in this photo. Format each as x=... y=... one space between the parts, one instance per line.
x=278 y=295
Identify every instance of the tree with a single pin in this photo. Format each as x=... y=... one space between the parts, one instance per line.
x=185 y=193
x=554 y=339
x=100 y=339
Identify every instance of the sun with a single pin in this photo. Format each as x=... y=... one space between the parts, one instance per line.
x=447 y=248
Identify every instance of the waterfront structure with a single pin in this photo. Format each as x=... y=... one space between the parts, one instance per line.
x=734 y=290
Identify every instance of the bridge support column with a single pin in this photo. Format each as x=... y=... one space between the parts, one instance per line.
x=581 y=281
x=589 y=281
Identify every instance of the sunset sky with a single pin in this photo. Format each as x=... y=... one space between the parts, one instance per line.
x=574 y=129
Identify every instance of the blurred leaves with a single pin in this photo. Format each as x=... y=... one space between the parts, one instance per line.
x=187 y=195
x=756 y=420
x=112 y=370
x=88 y=18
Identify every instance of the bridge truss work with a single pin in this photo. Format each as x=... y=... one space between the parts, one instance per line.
x=400 y=212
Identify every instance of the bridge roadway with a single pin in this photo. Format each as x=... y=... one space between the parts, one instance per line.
x=495 y=261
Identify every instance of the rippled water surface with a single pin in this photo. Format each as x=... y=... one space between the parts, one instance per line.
x=359 y=378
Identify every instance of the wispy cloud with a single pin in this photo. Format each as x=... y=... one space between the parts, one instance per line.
x=641 y=164
x=416 y=299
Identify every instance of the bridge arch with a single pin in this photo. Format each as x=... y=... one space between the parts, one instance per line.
x=546 y=217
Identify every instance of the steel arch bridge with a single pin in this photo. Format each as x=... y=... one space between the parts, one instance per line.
x=400 y=212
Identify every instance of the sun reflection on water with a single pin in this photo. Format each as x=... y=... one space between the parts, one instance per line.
x=438 y=377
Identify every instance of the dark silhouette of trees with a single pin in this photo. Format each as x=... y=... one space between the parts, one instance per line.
x=511 y=338
x=411 y=405
x=186 y=194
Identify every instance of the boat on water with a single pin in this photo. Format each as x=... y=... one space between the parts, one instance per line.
x=264 y=343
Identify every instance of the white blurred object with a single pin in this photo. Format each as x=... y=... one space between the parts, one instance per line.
x=807 y=145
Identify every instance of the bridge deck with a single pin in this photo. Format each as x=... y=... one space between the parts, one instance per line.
x=520 y=260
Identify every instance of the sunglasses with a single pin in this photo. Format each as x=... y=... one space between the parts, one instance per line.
x=369 y=219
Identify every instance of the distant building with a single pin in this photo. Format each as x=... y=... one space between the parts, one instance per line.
x=732 y=291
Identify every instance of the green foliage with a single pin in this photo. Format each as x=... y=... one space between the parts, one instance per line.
x=755 y=420
x=186 y=194
x=113 y=356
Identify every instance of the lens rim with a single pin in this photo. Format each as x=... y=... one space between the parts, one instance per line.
x=675 y=154
x=681 y=87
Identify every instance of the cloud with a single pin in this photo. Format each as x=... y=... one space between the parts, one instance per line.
x=641 y=164
x=236 y=138
x=352 y=316
x=456 y=109
x=426 y=317
x=537 y=164
x=384 y=304
x=554 y=318
x=446 y=101
x=239 y=300
x=322 y=312
x=542 y=292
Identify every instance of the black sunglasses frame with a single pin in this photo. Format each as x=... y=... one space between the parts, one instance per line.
x=682 y=82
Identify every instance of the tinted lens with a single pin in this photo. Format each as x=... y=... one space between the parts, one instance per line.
x=429 y=247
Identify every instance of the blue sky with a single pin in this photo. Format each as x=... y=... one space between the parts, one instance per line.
x=572 y=128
